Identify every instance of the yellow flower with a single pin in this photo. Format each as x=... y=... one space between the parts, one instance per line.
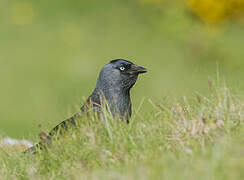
x=214 y=11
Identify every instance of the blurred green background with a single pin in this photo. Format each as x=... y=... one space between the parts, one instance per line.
x=51 y=52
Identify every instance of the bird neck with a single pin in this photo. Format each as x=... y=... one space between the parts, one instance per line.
x=117 y=99
x=113 y=95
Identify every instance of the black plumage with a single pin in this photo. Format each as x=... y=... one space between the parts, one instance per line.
x=113 y=87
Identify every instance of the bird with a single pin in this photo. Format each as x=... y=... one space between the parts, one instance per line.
x=113 y=86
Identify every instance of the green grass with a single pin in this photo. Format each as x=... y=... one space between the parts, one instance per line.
x=50 y=63
x=194 y=137
x=50 y=56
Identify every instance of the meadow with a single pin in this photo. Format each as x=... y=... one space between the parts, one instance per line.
x=188 y=109
x=177 y=140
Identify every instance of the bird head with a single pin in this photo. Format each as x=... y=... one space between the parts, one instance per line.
x=120 y=74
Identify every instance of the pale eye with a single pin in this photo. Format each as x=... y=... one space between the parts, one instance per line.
x=122 y=68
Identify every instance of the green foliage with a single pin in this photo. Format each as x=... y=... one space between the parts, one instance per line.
x=50 y=56
x=51 y=53
x=182 y=140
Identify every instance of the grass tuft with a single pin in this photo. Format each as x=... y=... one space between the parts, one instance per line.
x=194 y=137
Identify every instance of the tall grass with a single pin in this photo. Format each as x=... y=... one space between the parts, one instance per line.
x=186 y=139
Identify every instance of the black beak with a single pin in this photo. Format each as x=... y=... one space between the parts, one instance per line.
x=140 y=69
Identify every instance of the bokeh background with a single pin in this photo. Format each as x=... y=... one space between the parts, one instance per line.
x=51 y=53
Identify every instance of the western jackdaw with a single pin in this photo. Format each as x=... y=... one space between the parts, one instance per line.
x=113 y=87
